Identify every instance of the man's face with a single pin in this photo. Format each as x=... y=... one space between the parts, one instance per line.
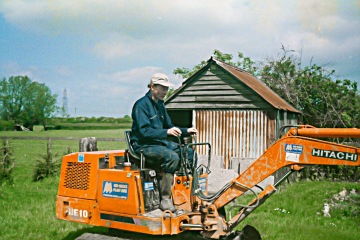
x=158 y=92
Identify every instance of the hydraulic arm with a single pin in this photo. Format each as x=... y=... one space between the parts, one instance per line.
x=299 y=147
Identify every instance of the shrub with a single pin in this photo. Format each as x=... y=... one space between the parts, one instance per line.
x=46 y=166
x=7 y=162
x=6 y=125
x=333 y=173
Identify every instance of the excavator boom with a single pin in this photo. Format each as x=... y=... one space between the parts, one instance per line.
x=299 y=147
x=295 y=149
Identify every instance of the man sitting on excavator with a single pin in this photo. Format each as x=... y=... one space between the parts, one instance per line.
x=150 y=129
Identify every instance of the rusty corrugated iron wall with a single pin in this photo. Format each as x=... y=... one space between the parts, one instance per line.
x=234 y=133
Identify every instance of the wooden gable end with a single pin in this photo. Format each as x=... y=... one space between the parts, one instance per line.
x=215 y=88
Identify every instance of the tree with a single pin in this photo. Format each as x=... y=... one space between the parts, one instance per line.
x=47 y=165
x=186 y=73
x=171 y=91
x=40 y=105
x=325 y=100
x=12 y=96
x=244 y=62
x=26 y=102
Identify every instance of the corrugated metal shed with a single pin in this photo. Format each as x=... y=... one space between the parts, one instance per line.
x=233 y=110
x=234 y=133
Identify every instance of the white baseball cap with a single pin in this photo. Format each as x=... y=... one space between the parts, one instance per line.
x=161 y=79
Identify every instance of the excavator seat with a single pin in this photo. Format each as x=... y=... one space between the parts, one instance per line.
x=136 y=158
x=130 y=147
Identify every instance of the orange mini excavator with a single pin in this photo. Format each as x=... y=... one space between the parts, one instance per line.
x=113 y=188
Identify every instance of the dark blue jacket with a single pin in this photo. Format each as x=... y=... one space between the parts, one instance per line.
x=150 y=122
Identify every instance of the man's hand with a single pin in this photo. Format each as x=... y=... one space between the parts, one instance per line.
x=174 y=132
x=192 y=131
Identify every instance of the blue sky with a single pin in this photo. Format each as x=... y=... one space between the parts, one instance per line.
x=104 y=52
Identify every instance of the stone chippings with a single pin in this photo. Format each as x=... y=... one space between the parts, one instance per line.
x=220 y=176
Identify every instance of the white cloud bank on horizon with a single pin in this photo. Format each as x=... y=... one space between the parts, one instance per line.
x=117 y=27
x=131 y=38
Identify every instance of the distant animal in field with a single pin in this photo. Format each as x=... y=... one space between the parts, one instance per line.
x=88 y=144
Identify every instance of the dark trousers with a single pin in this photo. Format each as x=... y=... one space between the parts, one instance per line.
x=165 y=157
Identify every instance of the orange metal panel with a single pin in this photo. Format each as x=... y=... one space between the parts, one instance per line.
x=119 y=191
x=182 y=193
x=77 y=170
x=75 y=177
x=77 y=210
x=87 y=211
x=145 y=224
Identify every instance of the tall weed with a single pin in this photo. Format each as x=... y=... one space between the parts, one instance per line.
x=7 y=162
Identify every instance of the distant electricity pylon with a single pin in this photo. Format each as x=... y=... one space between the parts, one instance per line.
x=65 y=104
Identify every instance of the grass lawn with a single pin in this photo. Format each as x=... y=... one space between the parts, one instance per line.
x=295 y=212
x=27 y=209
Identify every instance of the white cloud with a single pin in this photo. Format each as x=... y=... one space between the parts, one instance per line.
x=14 y=69
x=64 y=71
x=311 y=13
x=135 y=28
x=128 y=17
x=132 y=39
x=132 y=81
x=116 y=46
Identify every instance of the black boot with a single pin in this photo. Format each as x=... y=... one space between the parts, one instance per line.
x=165 y=190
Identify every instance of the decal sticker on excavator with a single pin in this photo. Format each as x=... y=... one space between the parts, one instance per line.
x=148 y=186
x=335 y=154
x=293 y=152
x=81 y=157
x=202 y=183
x=115 y=190
x=74 y=212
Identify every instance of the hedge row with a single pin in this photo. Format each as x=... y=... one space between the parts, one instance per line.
x=56 y=120
x=88 y=126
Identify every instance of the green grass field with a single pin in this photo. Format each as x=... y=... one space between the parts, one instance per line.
x=38 y=132
x=27 y=209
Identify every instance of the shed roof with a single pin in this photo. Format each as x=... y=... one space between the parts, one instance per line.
x=246 y=78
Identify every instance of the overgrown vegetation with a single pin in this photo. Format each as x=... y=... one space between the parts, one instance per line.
x=47 y=165
x=333 y=173
x=7 y=162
